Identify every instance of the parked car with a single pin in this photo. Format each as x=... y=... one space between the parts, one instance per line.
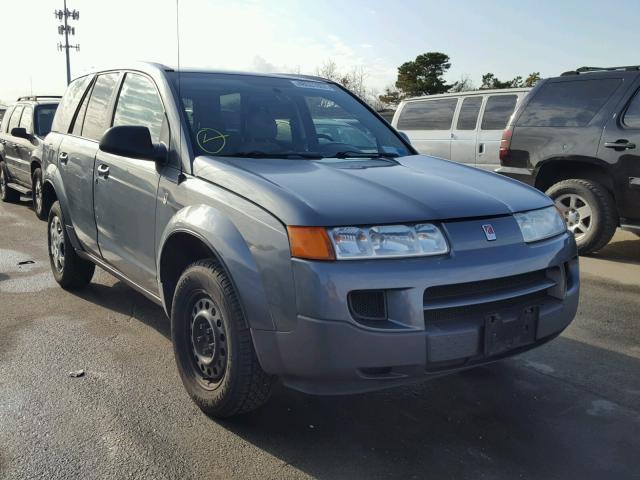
x=464 y=127
x=577 y=138
x=282 y=252
x=22 y=133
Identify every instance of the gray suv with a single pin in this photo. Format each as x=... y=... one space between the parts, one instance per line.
x=290 y=233
x=22 y=132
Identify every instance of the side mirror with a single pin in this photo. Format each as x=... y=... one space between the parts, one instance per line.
x=20 y=132
x=131 y=141
x=405 y=137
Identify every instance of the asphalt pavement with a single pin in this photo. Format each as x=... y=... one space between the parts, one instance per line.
x=567 y=410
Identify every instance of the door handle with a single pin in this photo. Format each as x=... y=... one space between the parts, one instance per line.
x=103 y=171
x=481 y=148
x=619 y=145
x=63 y=157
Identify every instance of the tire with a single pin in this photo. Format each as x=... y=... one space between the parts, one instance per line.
x=6 y=193
x=219 y=369
x=596 y=204
x=37 y=194
x=70 y=271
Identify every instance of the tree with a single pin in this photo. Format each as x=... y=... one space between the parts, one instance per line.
x=391 y=97
x=463 y=85
x=423 y=76
x=489 y=80
x=532 y=79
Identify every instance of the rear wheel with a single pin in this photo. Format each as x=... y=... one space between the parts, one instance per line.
x=69 y=270
x=6 y=193
x=36 y=192
x=589 y=210
x=212 y=344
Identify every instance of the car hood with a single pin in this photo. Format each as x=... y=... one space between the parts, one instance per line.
x=357 y=192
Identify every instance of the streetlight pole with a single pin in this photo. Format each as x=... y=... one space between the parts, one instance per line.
x=65 y=29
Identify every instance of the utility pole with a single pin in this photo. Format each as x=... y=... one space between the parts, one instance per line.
x=66 y=30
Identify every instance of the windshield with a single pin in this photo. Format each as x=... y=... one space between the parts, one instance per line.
x=243 y=115
x=44 y=119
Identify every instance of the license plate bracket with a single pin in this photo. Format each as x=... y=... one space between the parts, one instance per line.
x=506 y=332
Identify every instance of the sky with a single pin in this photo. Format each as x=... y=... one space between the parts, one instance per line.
x=504 y=37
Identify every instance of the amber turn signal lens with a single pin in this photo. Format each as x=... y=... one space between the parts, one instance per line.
x=311 y=243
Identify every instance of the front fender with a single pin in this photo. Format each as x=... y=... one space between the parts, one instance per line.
x=216 y=230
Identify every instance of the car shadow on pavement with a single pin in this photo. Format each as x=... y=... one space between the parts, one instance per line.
x=506 y=420
x=624 y=251
x=122 y=299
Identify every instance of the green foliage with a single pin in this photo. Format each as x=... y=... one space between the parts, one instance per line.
x=423 y=76
x=390 y=96
x=489 y=80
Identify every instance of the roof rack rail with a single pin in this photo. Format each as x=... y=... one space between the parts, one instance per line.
x=37 y=97
x=580 y=70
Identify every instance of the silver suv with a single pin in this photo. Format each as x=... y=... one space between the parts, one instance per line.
x=290 y=233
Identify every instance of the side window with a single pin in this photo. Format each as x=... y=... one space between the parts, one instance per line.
x=631 y=117
x=69 y=104
x=568 y=103
x=44 y=116
x=15 y=118
x=497 y=111
x=139 y=104
x=79 y=120
x=428 y=115
x=26 y=121
x=96 y=120
x=468 y=116
x=5 y=120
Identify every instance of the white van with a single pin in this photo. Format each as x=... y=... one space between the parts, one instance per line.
x=447 y=125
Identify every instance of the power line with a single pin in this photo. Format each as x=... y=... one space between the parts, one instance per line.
x=65 y=29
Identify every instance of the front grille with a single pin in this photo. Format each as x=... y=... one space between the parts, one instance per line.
x=368 y=305
x=479 y=311
x=484 y=287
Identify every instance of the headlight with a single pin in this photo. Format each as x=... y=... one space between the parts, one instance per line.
x=540 y=224
x=387 y=241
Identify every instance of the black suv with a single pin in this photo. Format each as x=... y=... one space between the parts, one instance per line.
x=577 y=138
x=23 y=128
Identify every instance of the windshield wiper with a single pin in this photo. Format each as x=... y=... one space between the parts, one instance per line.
x=355 y=154
x=260 y=154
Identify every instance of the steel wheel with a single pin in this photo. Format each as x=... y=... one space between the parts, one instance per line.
x=208 y=338
x=577 y=213
x=56 y=242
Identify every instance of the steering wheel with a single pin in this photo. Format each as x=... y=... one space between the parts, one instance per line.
x=325 y=136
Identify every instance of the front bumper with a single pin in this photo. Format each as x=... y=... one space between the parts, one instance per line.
x=329 y=352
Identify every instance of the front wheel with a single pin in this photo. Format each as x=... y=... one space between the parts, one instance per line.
x=36 y=191
x=70 y=271
x=212 y=344
x=589 y=210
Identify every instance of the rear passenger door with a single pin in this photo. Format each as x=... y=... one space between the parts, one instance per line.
x=464 y=138
x=126 y=188
x=620 y=147
x=24 y=147
x=77 y=152
x=497 y=110
x=428 y=124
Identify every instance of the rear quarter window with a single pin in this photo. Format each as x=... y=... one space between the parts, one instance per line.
x=428 y=115
x=69 y=104
x=497 y=111
x=568 y=103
